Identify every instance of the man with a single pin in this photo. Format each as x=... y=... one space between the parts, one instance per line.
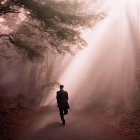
x=62 y=101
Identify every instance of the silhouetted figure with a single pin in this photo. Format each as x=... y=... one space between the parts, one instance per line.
x=62 y=100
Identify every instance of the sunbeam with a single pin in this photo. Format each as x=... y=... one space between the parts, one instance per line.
x=104 y=72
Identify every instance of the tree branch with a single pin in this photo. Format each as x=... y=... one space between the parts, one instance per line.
x=9 y=38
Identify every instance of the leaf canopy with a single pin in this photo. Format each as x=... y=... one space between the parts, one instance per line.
x=48 y=24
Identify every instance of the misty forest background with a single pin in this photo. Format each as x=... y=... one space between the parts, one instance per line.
x=33 y=33
x=27 y=43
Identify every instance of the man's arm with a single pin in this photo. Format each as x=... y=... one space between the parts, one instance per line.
x=67 y=96
x=57 y=98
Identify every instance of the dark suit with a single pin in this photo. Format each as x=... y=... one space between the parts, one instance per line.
x=62 y=100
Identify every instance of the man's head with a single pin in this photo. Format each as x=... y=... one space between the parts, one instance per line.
x=61 y=86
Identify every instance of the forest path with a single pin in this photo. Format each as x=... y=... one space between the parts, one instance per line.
x=79 y=126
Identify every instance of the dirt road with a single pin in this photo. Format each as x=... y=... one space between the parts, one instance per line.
x=47 y=126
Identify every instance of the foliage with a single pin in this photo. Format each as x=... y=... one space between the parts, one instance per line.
x=49 y=24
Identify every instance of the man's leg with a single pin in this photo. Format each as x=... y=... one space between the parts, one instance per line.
x=61 y=115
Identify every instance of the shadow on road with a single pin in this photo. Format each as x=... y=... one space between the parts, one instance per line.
x=54 y=125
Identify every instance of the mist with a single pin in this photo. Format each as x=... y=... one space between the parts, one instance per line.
x=100 y=75
x=104 y=74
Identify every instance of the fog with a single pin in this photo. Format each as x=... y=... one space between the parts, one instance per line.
x=103 y=74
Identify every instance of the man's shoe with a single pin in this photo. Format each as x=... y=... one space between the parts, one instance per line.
x=63 y=122
x=65 y=113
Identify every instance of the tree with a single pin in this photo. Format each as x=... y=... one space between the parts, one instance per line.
x=45 y=24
